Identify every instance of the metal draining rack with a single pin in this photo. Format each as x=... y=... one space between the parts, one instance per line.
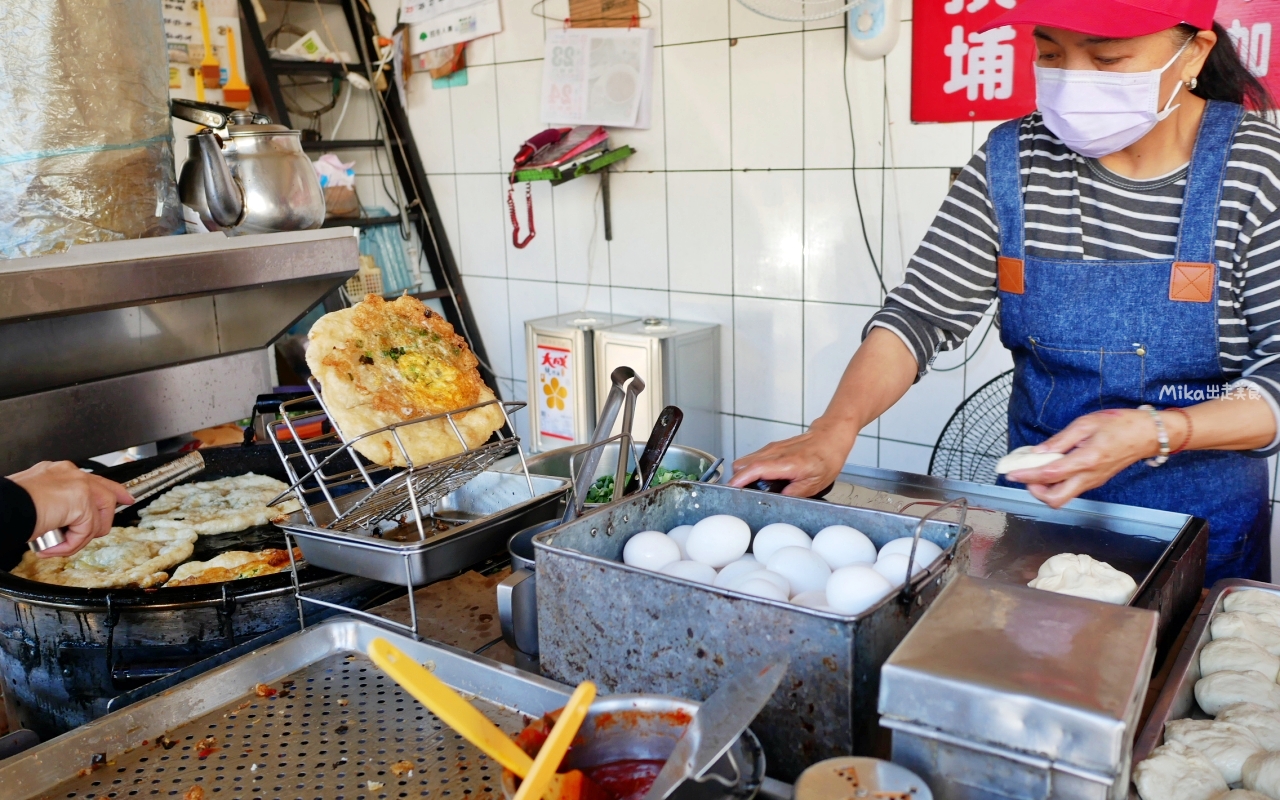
x=325 y=469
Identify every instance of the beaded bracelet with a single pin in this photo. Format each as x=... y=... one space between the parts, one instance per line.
x=1162 y=437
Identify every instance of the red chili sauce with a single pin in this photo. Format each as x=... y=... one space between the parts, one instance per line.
x=626 y=780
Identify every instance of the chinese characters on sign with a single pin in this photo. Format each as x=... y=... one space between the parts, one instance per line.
x=1249 y=25
x=554 y=399
x=959 y=74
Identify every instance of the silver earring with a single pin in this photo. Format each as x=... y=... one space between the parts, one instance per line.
x=1191 y=84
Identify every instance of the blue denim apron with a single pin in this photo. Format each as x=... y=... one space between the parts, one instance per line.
x=1089 y=335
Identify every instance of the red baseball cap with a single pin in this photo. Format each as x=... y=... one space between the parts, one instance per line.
x=1120 y=19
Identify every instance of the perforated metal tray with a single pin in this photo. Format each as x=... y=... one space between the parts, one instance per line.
x=303 y=743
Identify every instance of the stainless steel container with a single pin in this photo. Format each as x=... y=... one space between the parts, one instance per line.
x=518 y=592
x=1014 y=533
x=637 y=631
x=1011 y=692
x=475 y=522
x=562 y=376
x=1177 y=699
x=644 y=727
x=689 y=460
x=680 y=365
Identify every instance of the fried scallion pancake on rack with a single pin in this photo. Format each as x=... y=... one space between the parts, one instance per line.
x=382 y=362
x=125 y=557
x=232 y=566
x=225 y=505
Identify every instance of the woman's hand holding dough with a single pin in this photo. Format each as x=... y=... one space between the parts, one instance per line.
x=1096 y=447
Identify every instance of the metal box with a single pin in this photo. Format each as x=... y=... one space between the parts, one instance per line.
x=680 y=365
x=631 y=630
x=1010 y=692
x=562 y=384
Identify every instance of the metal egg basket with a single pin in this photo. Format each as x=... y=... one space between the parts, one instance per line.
x=347 y=500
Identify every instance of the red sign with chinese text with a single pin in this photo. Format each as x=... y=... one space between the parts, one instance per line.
x=1249 y=26
x=960 y=75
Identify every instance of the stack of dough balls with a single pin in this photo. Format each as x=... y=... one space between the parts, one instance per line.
x=1236 y=755
x=837 y=570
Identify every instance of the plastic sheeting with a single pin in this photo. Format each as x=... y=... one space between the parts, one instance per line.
x=86 y=143
x=383 y=242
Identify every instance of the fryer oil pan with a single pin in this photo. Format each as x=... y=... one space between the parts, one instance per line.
x=637 y=631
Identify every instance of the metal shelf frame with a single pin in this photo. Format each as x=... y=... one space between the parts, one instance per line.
x=420 y=209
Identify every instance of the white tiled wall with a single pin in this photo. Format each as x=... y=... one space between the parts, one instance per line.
x=738 y=208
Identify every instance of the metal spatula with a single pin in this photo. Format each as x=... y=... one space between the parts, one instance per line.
x=720 y=720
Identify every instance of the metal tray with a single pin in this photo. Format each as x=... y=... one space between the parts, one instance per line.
x=475 y=522
x=638 y=631
x=1177 y=699
x=341 y=724
x=1013 y=534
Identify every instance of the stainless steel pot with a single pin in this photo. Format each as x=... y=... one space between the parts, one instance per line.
x=254 y=179
x=517 y=594
x=681 y=457
x=622 y=727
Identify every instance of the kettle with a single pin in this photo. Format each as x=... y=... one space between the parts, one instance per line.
x=255 y=179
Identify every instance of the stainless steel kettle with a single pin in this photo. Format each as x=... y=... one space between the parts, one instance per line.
x=253 y=179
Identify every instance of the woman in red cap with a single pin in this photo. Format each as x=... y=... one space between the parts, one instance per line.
x=1130 y=228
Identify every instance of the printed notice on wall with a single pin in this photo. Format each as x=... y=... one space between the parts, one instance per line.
x=598 y=76
x=553 y=393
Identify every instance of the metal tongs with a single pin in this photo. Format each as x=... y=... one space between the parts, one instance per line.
x=140 y=488
x=626 y=386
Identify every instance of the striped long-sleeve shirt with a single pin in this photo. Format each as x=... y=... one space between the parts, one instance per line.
x=1077 y=208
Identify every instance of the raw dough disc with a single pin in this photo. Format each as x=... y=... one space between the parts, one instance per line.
x=1025 y=458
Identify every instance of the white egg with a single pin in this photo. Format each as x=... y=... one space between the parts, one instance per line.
x=894 y=568
x=690 y=571
x=736 y=569
x=804 y=569
x=762 y=588
x=840 y=546
x=748 y=557
x=681 y=535
x=816 y=599
x=926 y=551
x=855 y=588
x=777 y=580
x=651 y=550
x=718 y=539
x=772 y=538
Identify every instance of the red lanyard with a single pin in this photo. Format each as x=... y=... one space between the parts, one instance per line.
x=515 y=222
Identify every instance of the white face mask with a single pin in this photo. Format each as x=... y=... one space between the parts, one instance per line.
x=1096 y=113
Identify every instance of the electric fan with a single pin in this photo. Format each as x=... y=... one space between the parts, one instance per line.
x=977 y=435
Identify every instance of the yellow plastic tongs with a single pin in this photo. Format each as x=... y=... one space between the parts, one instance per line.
x=539 y=775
